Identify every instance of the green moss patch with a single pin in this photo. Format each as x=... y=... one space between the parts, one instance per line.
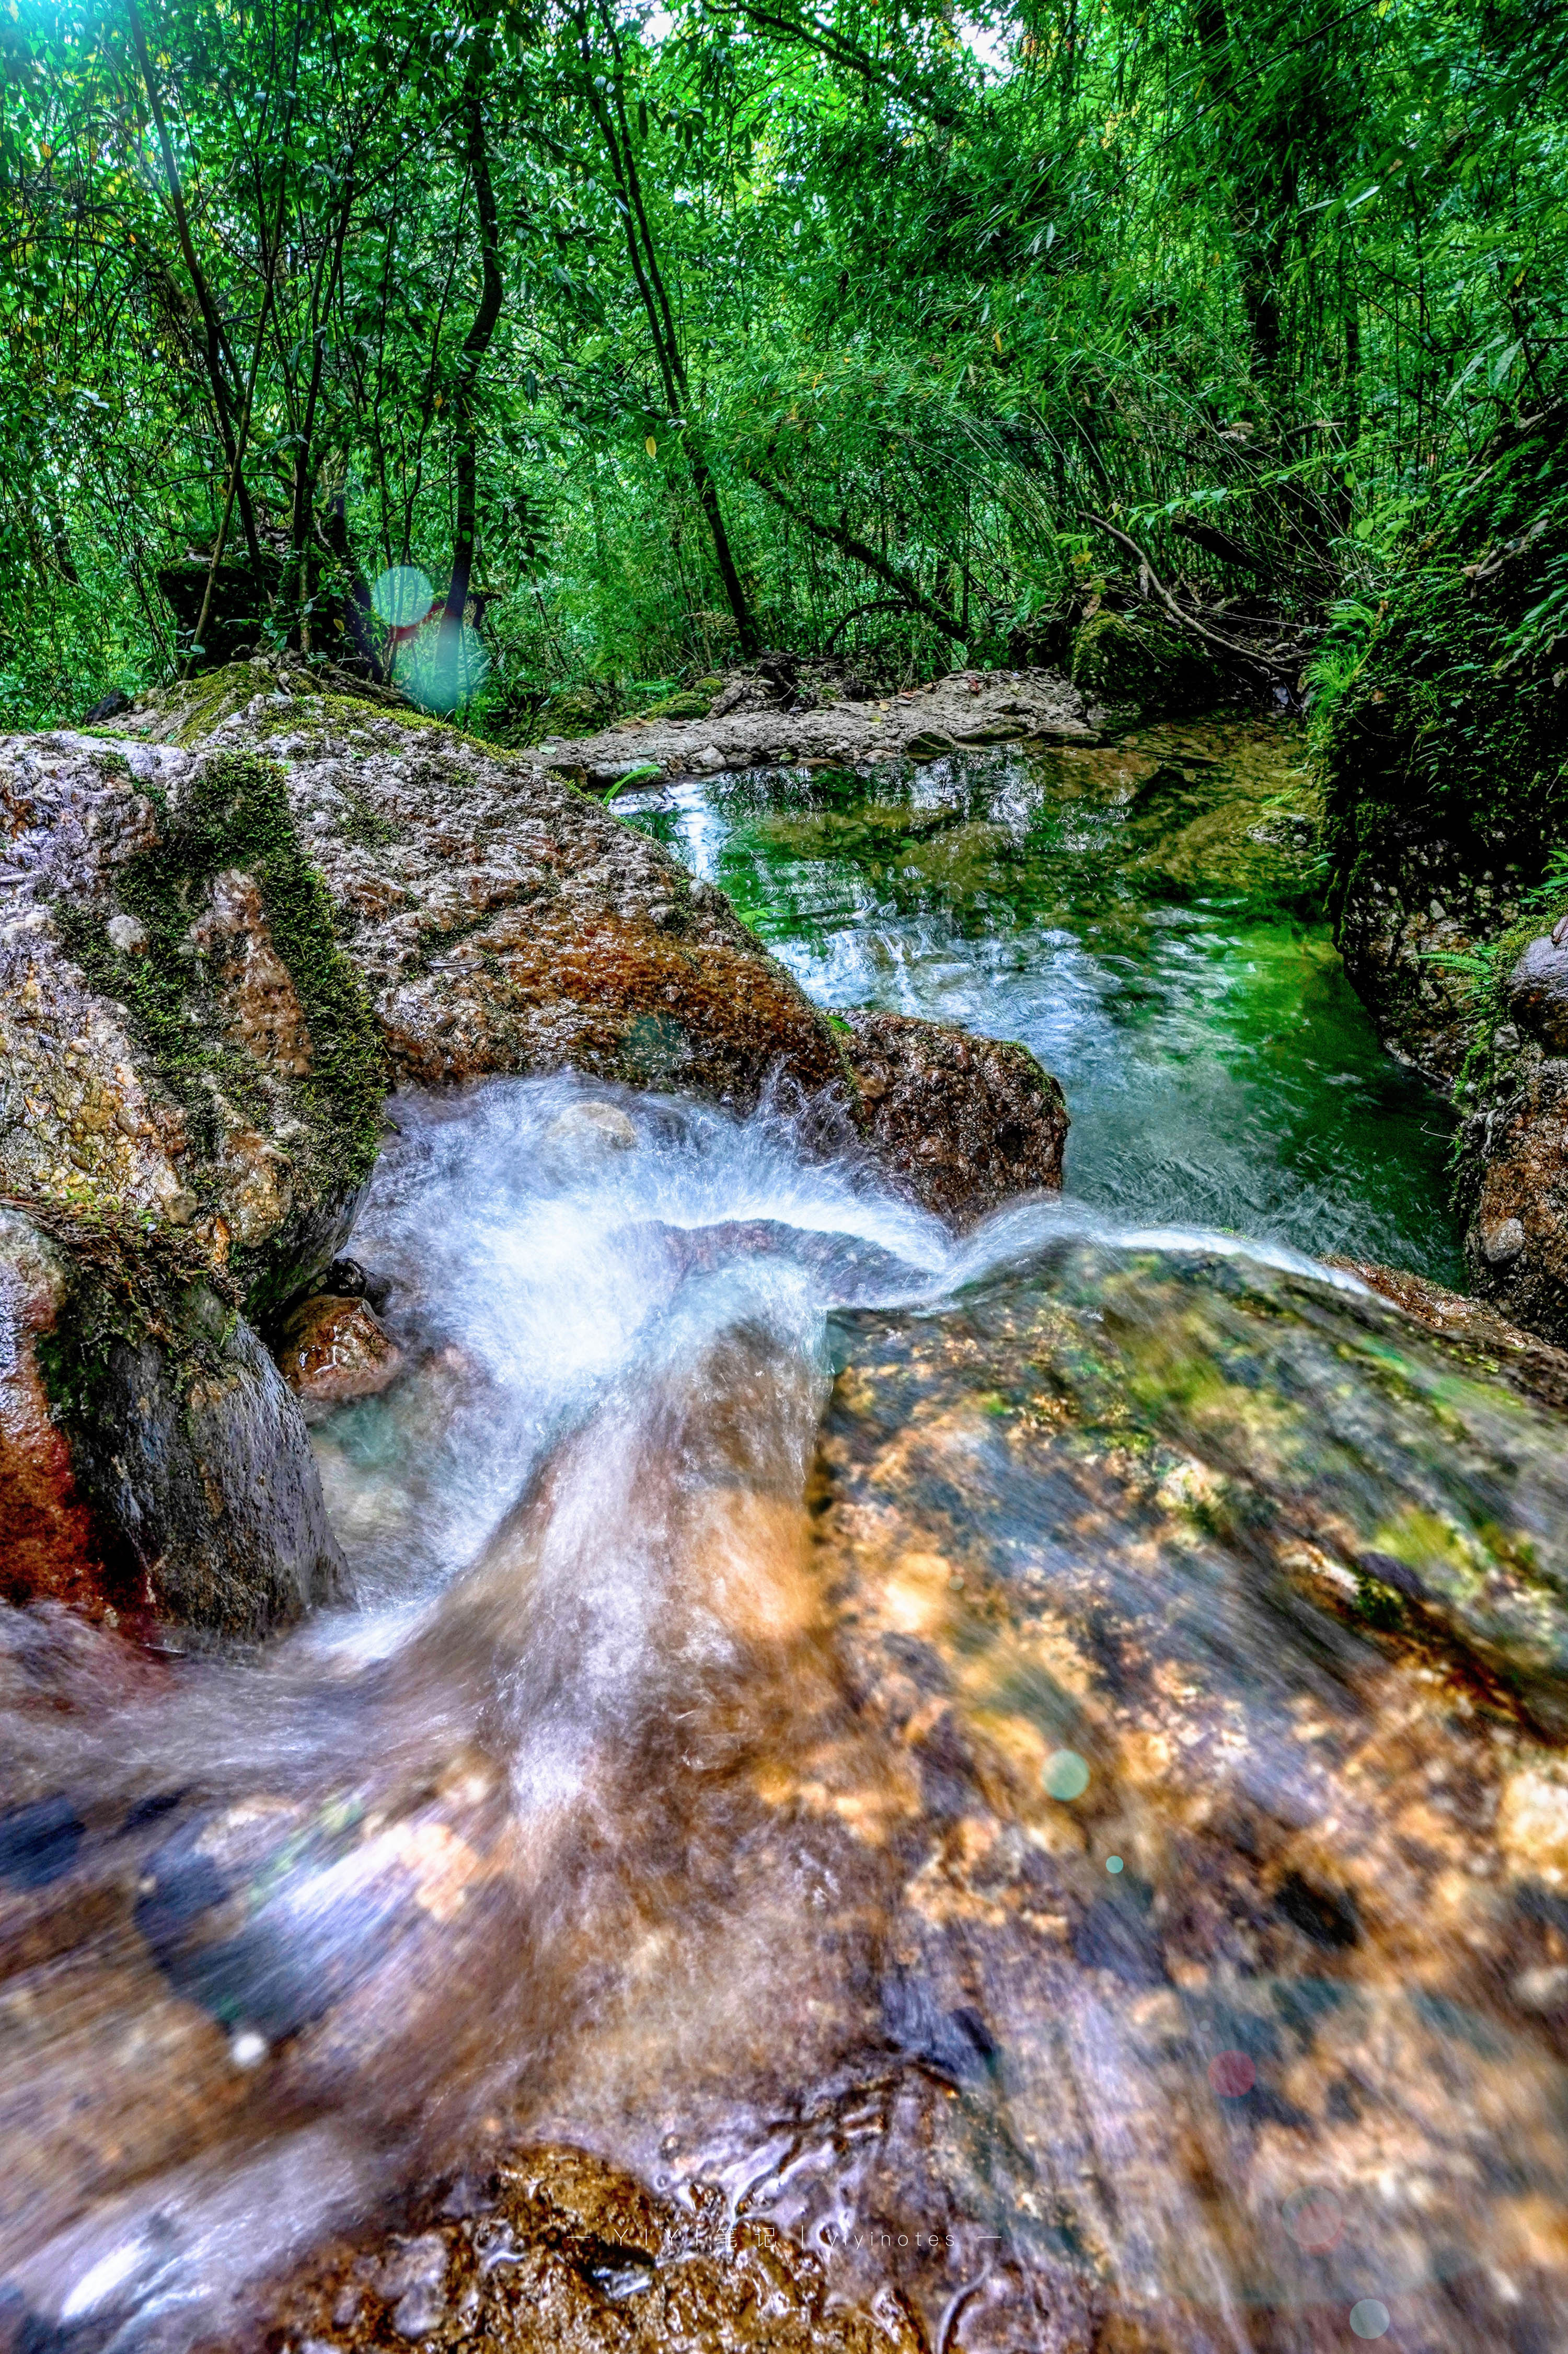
x=129 y=1285
x=1118 y=659
x=234 y=813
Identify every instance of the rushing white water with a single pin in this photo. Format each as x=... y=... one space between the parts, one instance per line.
x=544 y=1580
x=581 y=1821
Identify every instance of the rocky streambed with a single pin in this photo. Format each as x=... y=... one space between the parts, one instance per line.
x=760 y=722
x=855 y=1751
x=225 y=931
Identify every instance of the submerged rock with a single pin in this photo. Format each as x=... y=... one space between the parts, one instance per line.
x=1174 y=1857
x=569 y=2253
x=332 y=1348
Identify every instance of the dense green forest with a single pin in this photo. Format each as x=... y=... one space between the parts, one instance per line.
x=612 y=346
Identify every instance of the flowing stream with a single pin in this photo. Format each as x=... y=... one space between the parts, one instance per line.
x=1029 y=1764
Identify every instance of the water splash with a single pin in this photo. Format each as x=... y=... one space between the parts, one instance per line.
x=688 y=1783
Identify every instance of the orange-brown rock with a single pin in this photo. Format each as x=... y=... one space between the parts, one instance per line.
x=572 y=2255
x=51 y=1546
x=331 y=1350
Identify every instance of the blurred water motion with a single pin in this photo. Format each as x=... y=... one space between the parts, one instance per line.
x=773 y=1619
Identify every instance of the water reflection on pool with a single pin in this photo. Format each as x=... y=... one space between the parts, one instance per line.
x=1147 y=917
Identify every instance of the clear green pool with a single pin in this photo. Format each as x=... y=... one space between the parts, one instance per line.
x=1147 y=917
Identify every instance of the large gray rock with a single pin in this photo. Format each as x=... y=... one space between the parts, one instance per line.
x=1538 y=993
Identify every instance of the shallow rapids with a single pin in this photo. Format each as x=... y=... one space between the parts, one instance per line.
x=1032 y=1764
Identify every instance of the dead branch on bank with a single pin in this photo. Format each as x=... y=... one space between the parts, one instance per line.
x=1278 y=665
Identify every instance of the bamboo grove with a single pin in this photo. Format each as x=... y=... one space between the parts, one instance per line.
x=645 y=342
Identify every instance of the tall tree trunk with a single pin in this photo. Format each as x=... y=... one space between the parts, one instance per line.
x=642 y=254
x=222 y=373
x=304 y=483
x=476 y=343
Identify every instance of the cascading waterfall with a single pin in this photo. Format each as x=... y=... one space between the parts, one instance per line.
x=592 y=1821
x=1030 y=1763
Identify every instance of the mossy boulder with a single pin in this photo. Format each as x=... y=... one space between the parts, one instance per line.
x=574 y=711
x=190 y=1104
x=692 y=705
x=1118 y=659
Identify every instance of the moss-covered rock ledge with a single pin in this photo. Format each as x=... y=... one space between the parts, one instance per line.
x=1442 y=740
x=191 y=1081
x=226 y=929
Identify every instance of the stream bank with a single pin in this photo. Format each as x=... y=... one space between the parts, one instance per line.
x=883 y=1775
x=230 y=922
x=1440 y=734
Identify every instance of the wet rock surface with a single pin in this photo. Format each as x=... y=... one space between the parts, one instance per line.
x=50 y=1545
x=197 y=1455
x=225 y=929
x=753 y=725
x=563 y=2251
x=1188 y=1943
x=1515 y=1174
x=970 y=1121
x=1494 y=1345
x=1066 y=1849
x=332 y=1348
x=190 y=1104
x=1417 y=926
x=1537 y=991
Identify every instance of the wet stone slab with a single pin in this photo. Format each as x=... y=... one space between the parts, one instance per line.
x=1174 y=1801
